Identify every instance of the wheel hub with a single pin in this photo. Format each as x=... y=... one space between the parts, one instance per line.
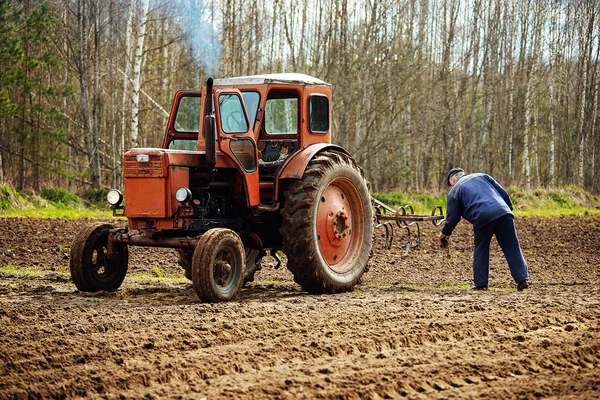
x=334 y=225
x=222 y=271
x=339 y=227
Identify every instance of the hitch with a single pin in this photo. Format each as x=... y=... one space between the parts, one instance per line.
x=405 y=218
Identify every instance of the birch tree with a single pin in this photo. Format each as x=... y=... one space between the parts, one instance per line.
x=142 y=14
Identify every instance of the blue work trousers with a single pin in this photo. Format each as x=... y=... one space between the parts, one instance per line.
x=506 y=235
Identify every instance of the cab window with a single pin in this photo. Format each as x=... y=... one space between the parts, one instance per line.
x=281 y=113
x=188 y=115
x=183 y=144
x=233 y=118
x=318 y=110
x=251 y=100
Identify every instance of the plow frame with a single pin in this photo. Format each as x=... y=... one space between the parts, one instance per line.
x=404 y=217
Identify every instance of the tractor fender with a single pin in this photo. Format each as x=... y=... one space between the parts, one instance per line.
x=295 y=165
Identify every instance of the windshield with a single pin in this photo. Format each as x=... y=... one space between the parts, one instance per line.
x=183 y=144
x=251 y=100
x=233 y=118
x=188 y=115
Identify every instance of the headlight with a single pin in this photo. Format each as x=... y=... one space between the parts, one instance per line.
x=183 y=195
x=114 y=197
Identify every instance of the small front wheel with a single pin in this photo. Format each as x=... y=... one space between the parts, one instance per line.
x=218 y=265
x=92 y=268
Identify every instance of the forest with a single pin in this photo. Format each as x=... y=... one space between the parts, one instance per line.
x=505 y=87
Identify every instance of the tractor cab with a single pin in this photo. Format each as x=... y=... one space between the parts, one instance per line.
x=235 y=139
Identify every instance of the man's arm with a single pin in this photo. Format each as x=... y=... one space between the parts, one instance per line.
x=453 y=212
x=500 y=190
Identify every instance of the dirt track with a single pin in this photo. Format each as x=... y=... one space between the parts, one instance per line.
x=412 y=329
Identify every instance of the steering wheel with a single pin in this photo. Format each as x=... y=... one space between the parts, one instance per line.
x=235 y=121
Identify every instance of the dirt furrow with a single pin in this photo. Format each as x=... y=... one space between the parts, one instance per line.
x=412 y=329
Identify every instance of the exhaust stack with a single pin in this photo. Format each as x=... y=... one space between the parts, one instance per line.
x=209 y=130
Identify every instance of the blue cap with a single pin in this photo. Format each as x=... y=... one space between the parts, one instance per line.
x=453 y=172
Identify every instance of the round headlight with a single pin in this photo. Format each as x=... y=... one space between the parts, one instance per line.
x=114 y=197
x=183 y=195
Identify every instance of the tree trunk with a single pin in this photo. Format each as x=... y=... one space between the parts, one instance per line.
x=86 y=112
x=126 y=78
x=137 y=75
x=526 y=161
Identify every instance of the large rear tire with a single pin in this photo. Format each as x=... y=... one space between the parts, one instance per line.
x=218 y=265
x=328 y=224
x=91 y=268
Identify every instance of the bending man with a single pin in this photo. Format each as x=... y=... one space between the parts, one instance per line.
x=479 y=199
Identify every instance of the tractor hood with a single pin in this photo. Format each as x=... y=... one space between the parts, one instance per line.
x=151 y=178
x=150 y=162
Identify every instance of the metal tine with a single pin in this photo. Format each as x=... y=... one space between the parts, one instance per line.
x=405 y=217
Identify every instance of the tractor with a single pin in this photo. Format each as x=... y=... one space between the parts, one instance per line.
x=246 y=167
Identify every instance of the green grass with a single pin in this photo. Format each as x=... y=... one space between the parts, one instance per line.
x=156 y=275
x=49 y=203
x=152 y=277
x=569 y=200
x=422 y=203
x=57 y=213
x=27 y=271
x=59 y=203
x=557 y=212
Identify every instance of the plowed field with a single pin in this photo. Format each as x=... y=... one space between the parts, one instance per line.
x=412 y=329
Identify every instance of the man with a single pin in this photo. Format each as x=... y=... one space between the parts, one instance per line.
x=479 y=199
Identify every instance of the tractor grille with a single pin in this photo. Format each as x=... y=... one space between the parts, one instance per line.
x=151 y=168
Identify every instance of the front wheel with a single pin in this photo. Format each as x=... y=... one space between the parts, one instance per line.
x=218 y=265
x=327 y=224
x=186 y=255
x=92 y=267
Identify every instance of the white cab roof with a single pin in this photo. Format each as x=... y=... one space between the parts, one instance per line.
x=271 y=78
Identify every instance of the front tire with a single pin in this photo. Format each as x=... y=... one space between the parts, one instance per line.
x=185 y=261
x=327 y=224
x=91 y=268
x=218 y=265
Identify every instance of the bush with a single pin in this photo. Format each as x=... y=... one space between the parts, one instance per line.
x=60 y=196
x=96 y=197
x=559 y=198
x=10 y=198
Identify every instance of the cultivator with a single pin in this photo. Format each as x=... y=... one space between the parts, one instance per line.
x=404 y=218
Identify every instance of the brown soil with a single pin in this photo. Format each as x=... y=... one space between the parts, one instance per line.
x=411 y=329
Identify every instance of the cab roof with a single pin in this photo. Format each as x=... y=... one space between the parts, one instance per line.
x=290 y=78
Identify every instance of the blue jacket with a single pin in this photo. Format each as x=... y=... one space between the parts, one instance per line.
x=479 y=199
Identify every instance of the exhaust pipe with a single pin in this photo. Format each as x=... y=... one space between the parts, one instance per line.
x=209 y=130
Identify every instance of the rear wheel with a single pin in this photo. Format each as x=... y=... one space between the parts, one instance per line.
x=92 y=268
x=218 y=265
x=327 y=224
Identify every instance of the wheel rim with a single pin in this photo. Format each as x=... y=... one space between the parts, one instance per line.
x=101 y=267
x=224 y=268
x=339 y=224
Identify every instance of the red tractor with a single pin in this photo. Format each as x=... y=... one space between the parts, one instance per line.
x=246 y=166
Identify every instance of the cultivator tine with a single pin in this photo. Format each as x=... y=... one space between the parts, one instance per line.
x=389 y=229
x=389 y=233
x=405 y=218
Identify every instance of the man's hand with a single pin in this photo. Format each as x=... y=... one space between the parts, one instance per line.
x=443 y=240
